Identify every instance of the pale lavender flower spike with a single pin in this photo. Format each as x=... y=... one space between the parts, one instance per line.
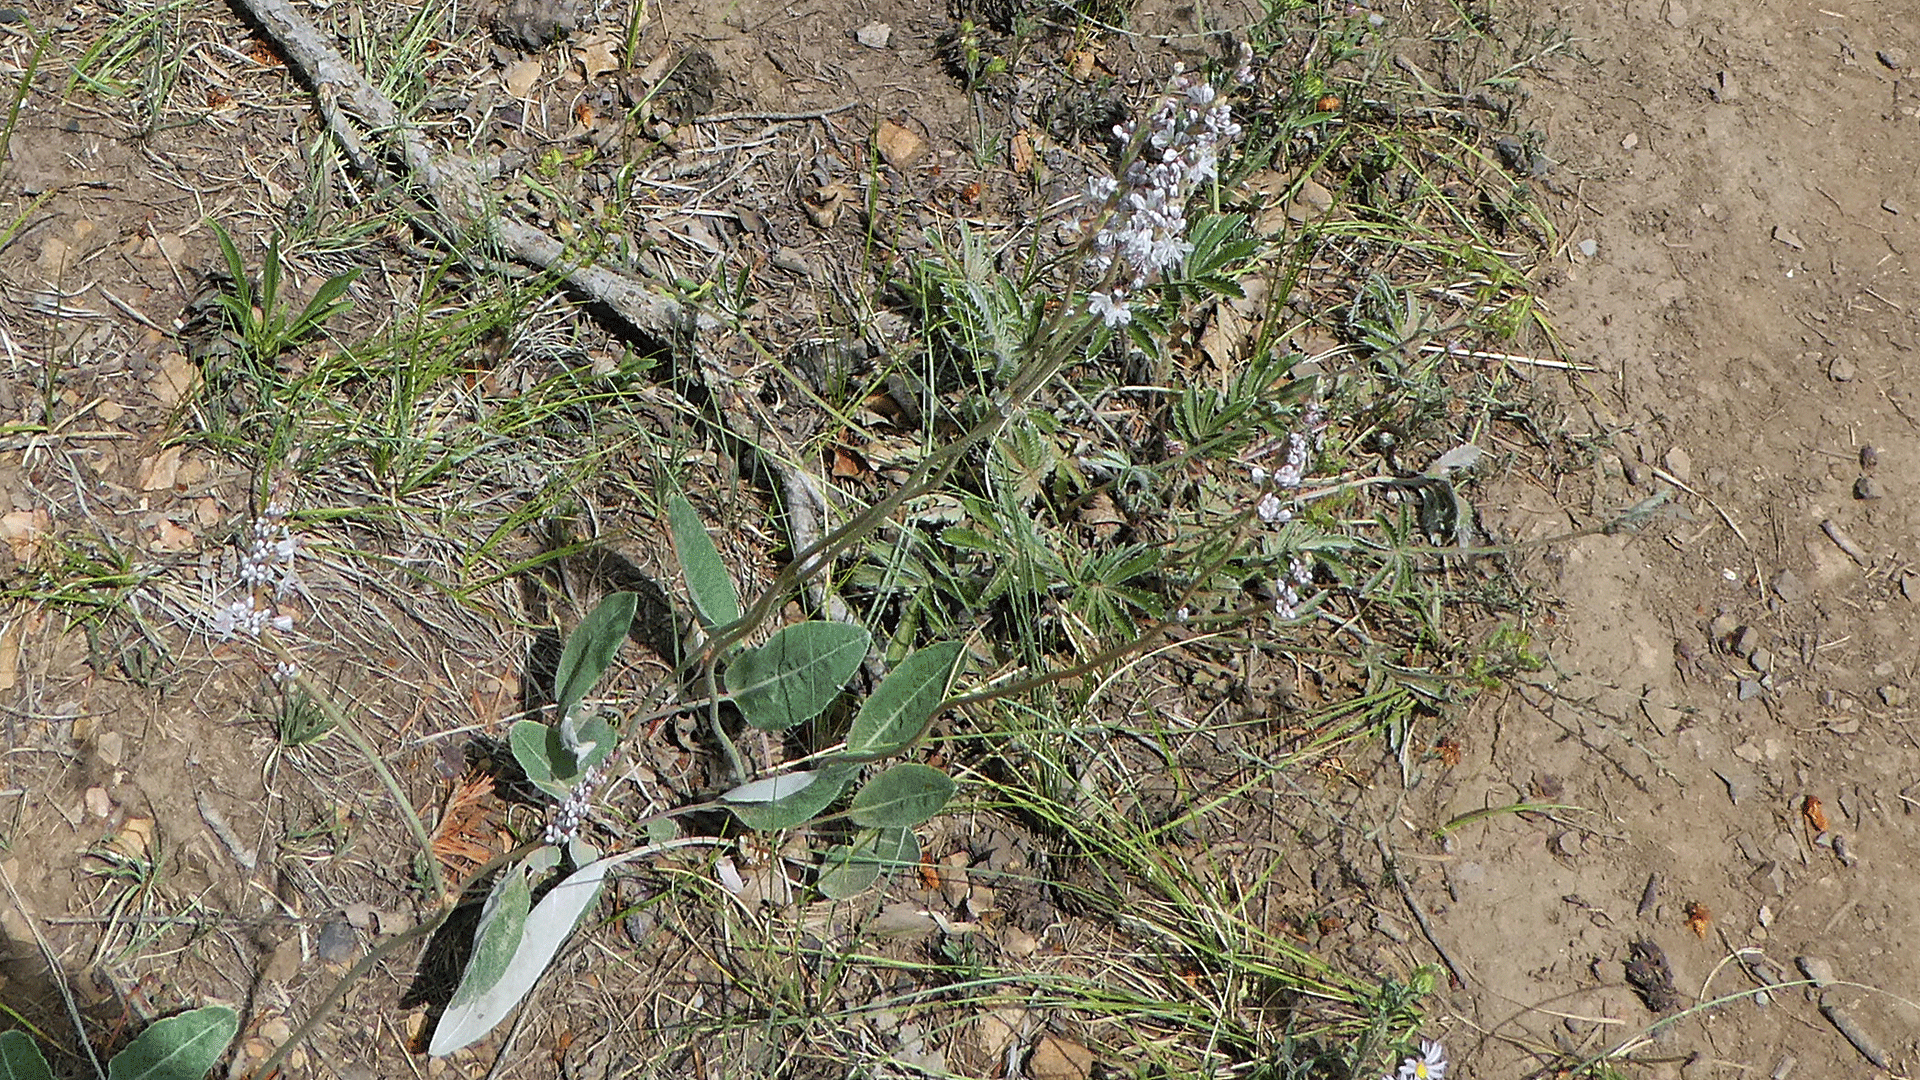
x=1146 y=233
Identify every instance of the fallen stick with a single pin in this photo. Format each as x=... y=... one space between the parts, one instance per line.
x=455 y=185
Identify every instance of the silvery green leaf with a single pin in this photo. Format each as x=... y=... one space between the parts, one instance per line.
x=798 y=672
x=784 y=807
x=905 y=795
x=846 y=870
x=590 y=649
x=180 y=1047
x=20 y=1059
x=1459 y=459
x=715 y=600
x=770 y=788
x=894 y=714
x=547 y=928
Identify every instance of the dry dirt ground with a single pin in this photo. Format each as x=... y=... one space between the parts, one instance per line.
x=1747 y=176
x=1719 y=745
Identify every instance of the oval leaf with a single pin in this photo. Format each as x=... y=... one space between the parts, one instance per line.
x=537 y=748
x=771 y=788
x=591 y=648
x=849 y=870
x=547 y=928
x=796 y=806
x=180 y=1047
x=20 y=1059
x=904 y=795
x=899 y=708
x=794 y=676
x=714 y=598
x=503 y=922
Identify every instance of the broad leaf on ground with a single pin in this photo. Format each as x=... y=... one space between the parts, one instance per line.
x=894 y=715
x=714 y=599
x=798 y=672
x=547 y=928
x=180 y=1047
x=905 y=795
x=787 y=801
x=20 y=1059
x=847 y=870
x=590 y=649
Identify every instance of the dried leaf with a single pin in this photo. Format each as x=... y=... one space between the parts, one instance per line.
x=1080 y=64
x=1815 y=814
x=25 y=531
x=520 y=77
x=596 y=56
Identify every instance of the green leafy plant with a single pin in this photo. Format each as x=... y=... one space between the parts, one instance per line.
x=182 y=1047
x=260 y=319
x=791 y=678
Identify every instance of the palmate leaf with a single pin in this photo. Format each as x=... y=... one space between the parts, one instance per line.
x=180 y=1047
x=714 y=599
x=896 y=712
x=903 y=796
x=798 y=672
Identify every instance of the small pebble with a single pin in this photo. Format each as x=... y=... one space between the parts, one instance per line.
x=1892 y=58
x=1679 y=463
x=1788 y=586
x=1869 y=456
x=874 y=35
x=1762 y=660
x=1749 y=689
x=1866 y=488
x=1842 y=369
x=1589 y=248
x=1893 y=695
x=1746 y=641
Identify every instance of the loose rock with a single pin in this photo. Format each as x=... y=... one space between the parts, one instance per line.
x=1892 y=57
x=1788 y=586
x=1866 y=488
x=874 y=35
x=1842 y=369
x=1869 y=456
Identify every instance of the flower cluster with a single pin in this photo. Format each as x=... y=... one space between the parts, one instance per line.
x=1430 y=1065
x=1145 y=234
x=267 y=576
x=1301 y=444
x=567 y=816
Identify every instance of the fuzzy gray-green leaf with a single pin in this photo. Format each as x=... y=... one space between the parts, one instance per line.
x=787 y=811
x=708 y=583
x=896 y=712
x=503 y=920
x=180 y=1047
x=591 y=648
x=20 y=1059
x=845 y=871
x=904 y=795
x=794 y=676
